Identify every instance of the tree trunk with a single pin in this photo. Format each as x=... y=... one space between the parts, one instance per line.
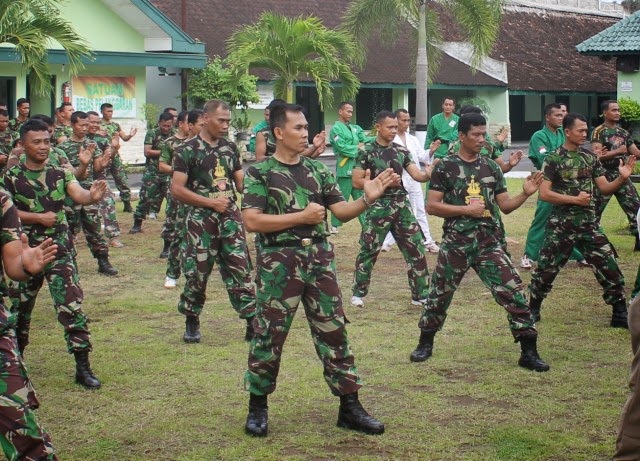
x=422 y=75
x=290 y=94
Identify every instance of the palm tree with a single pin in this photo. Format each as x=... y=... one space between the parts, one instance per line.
x=479 y=22
x=294 y=48
x=32 y=26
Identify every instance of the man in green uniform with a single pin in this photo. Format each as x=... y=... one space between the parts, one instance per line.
x=260 y=126
x=63 y=130
x=207 y=172
x=391 y=213
x=154 y=184
x=21 y=437
x=572 y=178
x=285 y=202
x=87 y=217
x=612 y=144
x=40 y=190
x=117 y=168
x=346 y=138
x=469 y=191
x=7 y=138
x=542 y=143
x=443 y=126
x=24 y=107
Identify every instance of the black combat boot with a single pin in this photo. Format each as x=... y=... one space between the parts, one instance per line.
x=137 y=226
x=535 y=305
x=84 y=375
x=425 y=346
x=529 y=357
x=105 y=267
x=164 y=254
x=257 y=420
x=248 y=334
x=352 y=416
x=192 y=332
x=127 y=206
x=619 y=315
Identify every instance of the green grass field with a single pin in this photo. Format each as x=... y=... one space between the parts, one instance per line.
x=164 y=400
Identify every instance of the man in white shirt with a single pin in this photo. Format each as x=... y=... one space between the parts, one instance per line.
x=413 y=187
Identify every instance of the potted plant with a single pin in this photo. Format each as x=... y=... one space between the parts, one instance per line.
x=241 y=124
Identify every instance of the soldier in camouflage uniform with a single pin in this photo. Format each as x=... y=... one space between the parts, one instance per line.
x=612 y=144
x=469 y=191
x=154 y=184
x=173 y=232
x=24 y=106
x=117 y=168
x=205 y=171
x=63 y=130
x=285 y=200
x=107 y=206
x=40 y=190
x=572 y=178
x=87 y=217
x=392 y=213
x=21 y=437
x=7 y=138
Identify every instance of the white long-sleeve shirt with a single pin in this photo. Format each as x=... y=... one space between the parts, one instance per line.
x=418 y=154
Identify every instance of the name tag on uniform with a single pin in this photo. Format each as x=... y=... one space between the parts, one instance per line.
x=542 y=150
x=452 y=123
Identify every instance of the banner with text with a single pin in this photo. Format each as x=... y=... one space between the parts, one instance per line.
x=88 y=93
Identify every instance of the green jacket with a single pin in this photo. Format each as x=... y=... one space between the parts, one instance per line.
x=252 y=142
x=542 y=143
x=445 y=129
x=344 y=138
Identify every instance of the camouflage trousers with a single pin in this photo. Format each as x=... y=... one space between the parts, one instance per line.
x=482 y=252
x=87 y=218
x=107 y=207
x=153 y=190
x=174 y=231
x=286 y=276
x=562 y=234
x=395 y=216
x=627 y=197
x=119 y=173
x=216 y=237
x=21 y=437
x=66 y=293
x=347 y=189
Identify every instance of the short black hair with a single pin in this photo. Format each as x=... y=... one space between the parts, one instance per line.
x=43 y=118
x=400 y=111
x=278 y=116
x=467 y=121
x=4 y=113
x=570 y=120
x=193 y=115
x=604 y=105
x=450 y=99
x=344 y=103
x=78 y=115
x=105 y=105
x=275 y=103
x=165 y=116
x=93 y=112
x=384 y=114
x=182 y=116
x=167 y=109
x=63 y=105
x=22 y=101
x=470 y=109
x=33 y=124
x=549 y=107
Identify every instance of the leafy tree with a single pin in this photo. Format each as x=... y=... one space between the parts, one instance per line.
x=294 y=48
x=479 y=22
x=32 y=26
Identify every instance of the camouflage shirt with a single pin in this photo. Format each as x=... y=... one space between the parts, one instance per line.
x=103 y=143
x=15 y=125
x=615 y=137
x=155 y=138
x=56 y=158
x=41 y=191
x=168 y=150
x=72 y=149
x=62 y=130
x=571 y=172
x=10 y=230
x=271 y=142
x=7 y=138
x=279 y=189
x=110 y=128
x=491 y=149
x=463 y=183
x=210 y=169
x=378 y=158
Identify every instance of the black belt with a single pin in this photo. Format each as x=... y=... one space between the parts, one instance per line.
x=302 y=243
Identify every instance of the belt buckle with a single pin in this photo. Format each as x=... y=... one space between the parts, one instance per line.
x=305 y=242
